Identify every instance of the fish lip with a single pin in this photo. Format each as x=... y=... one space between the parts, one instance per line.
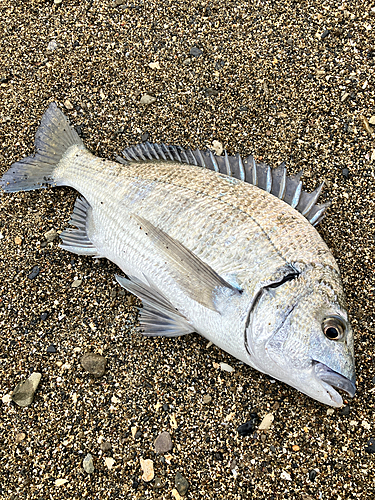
x=332 y=380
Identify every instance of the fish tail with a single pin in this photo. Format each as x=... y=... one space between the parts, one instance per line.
x=53 y=138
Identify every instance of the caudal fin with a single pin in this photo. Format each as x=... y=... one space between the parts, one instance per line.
x=53 y=137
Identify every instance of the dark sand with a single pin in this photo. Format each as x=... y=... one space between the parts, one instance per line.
x=293 y=81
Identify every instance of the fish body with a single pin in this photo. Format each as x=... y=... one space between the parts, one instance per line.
x=208 y=252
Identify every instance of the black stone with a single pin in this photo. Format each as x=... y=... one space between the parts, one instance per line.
x=312 y=475
x=79 y=130
x=345 y=173
x=370 y=447
x=211 y=92
x=165 y=407
x=194 y=51
x=248 y=428
x=34 y=272
x=218 y=456
x=345 y=410
x=325 y=34
x=44 y=316
x=51 y=348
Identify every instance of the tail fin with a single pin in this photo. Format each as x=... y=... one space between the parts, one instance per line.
x=53 y=137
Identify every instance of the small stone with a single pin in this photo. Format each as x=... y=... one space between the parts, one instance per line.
x=60 y=482
x=18 y=240
x=148 y=470
x=217 y=147
x=163 y=443
x=366 y=125
x=158 y=483
x=88 y=464
x=94 y=363
x=187 y=61
x=370 y=447
x=345 y=173
x=109 y=461
x=76 y=283
x=44 y=316
x=105 y=446
x=34 y=272
x=372 y=120
x=20 y=437
x=68 y=105
x=51 y=235
x=248 y=428
x=207 y=399
x=325 y=34
x=175 y=494
x=23 y=393
x=118 y=2
x=345 y=410
x=344 y=96
x=226 y=368
x=147 y=99
x=57 y=2
x=52 y=45
x=312 y=474
x=295 y=447
x=145 y=137
x=1 y=236
x=194 y=51
x=154 y=65
x=209 y=92
x=181 y=484
x=51 y=348
x=285 y=475
x=266 y=422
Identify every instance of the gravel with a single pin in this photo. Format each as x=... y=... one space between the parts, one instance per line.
x=267 y=82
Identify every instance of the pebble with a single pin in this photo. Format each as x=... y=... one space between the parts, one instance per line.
x=52 y=45
x=163 y=443
x=105 y=446
x=207 y=399
x=1 y=236
x=23 y=393
x=76 y=283
x=109 y=462
x=182 y=484
x=147 y=99
x=20 y=437
x=154 y=65
x=68 y=105
x=248 y=428
x=312 y=474
x=217 y=147
x=345 y=173
x=266 y=422
x=145 y=137
x=372 y=120
x=18 y=240
x=226 y=368
x=51 y=348
x=60 y=482
x=295 y=447
x=158 y=483
x=88 y=464
x=51 y=235
x=187 y=61
x=93 y=363
x=285 y=475
x=370 y=446
x=194 y=51
x=345 y=410
x=34 y=272
x=148 y=470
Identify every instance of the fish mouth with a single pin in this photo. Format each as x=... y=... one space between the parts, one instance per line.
x=332 y=380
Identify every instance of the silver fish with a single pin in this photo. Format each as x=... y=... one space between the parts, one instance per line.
x=211 y=244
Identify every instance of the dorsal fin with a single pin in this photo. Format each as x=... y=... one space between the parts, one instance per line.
x=273 y=180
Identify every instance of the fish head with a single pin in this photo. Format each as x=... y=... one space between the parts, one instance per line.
x=298 y=332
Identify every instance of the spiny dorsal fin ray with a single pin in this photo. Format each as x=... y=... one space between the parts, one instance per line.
x=198 y=280
x=158 y=317
x=274 y=181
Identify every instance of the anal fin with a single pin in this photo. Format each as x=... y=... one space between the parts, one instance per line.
x=158 y=317
x=77 y=240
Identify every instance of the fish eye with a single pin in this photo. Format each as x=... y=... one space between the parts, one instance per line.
x=333 y=328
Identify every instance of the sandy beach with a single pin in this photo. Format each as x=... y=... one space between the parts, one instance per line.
x=284 y=81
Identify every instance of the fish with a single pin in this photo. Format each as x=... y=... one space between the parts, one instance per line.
x=218 y=245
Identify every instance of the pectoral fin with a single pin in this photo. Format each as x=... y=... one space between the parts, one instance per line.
x=158 y=317
x=195 y=277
